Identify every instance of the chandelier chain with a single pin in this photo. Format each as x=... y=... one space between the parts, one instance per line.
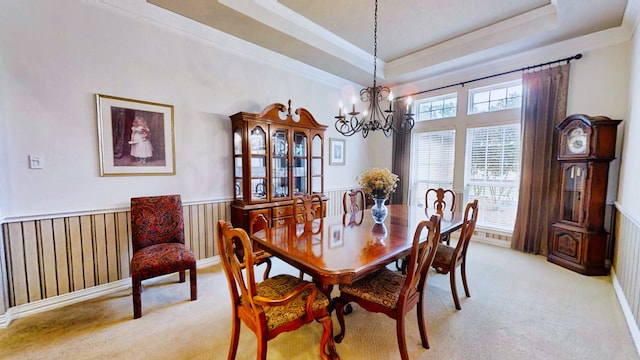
x=375 y=44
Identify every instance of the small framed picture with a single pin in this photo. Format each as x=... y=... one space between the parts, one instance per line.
x=135 y=137
x=335 y=236
x=336 y=152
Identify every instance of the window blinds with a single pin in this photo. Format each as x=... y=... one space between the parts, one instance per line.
x=433 y=159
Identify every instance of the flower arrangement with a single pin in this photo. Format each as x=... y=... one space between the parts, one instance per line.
x=378 y=183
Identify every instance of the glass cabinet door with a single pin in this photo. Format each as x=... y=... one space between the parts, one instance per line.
x=573 y=192
x=300 y=163
x=316 y=165
x=237 y=163
x=279 y=164
x=258 y=163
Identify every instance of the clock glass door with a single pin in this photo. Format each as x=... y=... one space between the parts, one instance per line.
x=573 y=193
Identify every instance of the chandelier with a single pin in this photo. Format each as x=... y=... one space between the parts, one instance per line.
x=374 y=118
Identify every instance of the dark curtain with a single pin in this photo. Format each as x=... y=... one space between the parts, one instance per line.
x=544 y=105
x=400 y=158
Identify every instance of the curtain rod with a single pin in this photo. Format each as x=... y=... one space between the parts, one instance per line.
x=567 y=59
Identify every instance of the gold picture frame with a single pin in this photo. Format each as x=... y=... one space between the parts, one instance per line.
x=135 y=137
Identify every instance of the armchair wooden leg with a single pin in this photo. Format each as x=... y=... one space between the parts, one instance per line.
x=136 y=285
x=262 y=347
x=193 y=282
x=235 y=335
x=327 y=346
x=182 y=276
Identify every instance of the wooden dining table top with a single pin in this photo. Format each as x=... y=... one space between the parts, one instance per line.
x=344 y=248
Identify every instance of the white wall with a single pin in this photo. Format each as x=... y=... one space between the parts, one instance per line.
x=56 y=55
x=598 y=85
x=628 y=189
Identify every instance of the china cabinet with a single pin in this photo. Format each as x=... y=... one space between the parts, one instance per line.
x=277 y=155
x=579 y=240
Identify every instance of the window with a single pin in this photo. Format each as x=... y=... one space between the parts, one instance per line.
x=474 y=153
x=492 y=174
x=437 y=107
x=432 y=158
x=496 y=97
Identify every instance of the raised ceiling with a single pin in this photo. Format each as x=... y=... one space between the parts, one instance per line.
x=415 y=37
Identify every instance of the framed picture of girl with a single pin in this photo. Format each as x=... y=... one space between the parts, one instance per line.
x=135 y=137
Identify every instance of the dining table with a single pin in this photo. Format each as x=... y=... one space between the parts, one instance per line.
x=341 y=249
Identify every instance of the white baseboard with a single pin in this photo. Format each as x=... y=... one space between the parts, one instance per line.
x=626 y=310
x=60 y=301
x=491 y=241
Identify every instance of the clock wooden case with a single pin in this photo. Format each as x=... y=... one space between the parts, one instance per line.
x=277 y=155
x=586 y=147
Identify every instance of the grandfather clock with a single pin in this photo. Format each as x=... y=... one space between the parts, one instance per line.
x=586 y=146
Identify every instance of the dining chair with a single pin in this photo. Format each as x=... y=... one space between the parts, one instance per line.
x=393 y=293
x=278 y=304
x=353 y=200
x=448 y=258
x=157 y=236
x=307 y=207
x=445 y=200
x=257 y=223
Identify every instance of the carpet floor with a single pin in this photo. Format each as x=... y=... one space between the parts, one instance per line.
x=521 y=307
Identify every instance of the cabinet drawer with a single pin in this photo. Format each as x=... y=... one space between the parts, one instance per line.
x=282 y=221
x=282 y=211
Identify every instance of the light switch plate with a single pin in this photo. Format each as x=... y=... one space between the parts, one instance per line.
x=36 y=162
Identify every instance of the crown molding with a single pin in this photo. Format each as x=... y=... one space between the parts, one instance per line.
x=152 y=14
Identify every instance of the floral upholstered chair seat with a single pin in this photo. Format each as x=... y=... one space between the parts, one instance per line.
x=160 y=259
x=382 y=287
x=443 y=256
x=279 y=286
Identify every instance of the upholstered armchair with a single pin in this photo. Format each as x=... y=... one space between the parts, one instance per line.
x=157 y=234
x=278 y=304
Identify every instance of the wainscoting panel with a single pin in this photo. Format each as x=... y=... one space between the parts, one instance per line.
x=54 y=256
x=626 y=261
x=334 y=204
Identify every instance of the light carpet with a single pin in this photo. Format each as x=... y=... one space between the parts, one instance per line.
x=522 y=307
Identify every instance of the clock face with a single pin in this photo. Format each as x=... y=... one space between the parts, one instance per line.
x=577 y=141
